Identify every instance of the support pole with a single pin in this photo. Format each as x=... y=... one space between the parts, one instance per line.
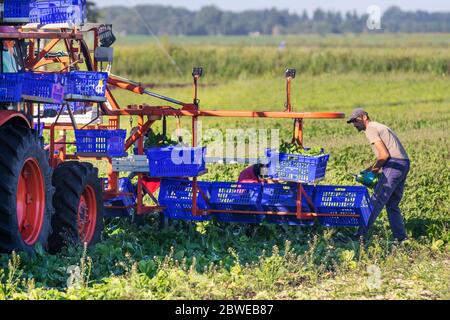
x=140 y=151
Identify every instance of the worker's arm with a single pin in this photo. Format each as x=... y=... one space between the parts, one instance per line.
x=383 y=156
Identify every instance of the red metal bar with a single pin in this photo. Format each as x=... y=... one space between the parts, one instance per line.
x=308 y=199
x=95 y=46
x=168 y=111
x=112 y=101
x=41 y=35
x=288 y=94
x=46 y=61
x=52 y=147
x=304 y=215
x=76 y=157
x=119 y=83
x=194 y=181
x=299 y=201
x=140 y=207
x=120 y=207
x=137 y=135
x=48 y=47
x=113 y=177
x=115 y=194
x=150 y=209
x=298 y=131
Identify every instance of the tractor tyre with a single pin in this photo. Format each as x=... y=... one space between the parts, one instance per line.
x=26 y=191
x=78 y=203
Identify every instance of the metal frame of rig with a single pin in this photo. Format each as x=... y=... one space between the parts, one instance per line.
x=31 y=199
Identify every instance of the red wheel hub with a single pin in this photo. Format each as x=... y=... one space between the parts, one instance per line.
x=87 y=215
x=30 y=201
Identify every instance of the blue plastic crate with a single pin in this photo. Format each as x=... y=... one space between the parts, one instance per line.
x=86 y=83
x=58 y=11
x=44 y=85
x=296 y=167
x=74 y=106
x=125 y=186
x=101 y=142
x=237 y=196
x=283 y=198
x=175 y=161
x=11 y=87
x=347 y=200
x=176 y=196
x=17 y=9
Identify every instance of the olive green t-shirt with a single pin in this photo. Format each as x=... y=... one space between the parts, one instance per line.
x=376 y=131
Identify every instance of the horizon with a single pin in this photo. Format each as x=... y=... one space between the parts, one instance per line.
x=293 y=6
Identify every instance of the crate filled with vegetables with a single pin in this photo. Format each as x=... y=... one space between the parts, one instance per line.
x=292 y=162
x=167 y=158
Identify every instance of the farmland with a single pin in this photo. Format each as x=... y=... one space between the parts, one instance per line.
x=402 y=81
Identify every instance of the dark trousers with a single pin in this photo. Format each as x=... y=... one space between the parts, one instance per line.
x=389 y=192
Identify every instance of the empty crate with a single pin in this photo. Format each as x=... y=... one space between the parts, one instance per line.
x=176 y=196
x=239 y=197
x=101 y=142
x=283 y=198
x=351 y=205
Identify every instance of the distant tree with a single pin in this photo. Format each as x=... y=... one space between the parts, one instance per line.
x=210 y=20
x=93 y=13
x=319 y=15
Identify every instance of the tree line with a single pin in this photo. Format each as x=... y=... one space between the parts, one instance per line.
x=210 y=20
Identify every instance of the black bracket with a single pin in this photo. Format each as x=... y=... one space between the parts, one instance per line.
x=290 y=73
x=197 y=72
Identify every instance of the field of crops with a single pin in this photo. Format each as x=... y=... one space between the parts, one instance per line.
x=404 y=85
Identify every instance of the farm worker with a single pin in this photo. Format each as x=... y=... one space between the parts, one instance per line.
x=393 y=166
x=8 y=61
x=253 y=174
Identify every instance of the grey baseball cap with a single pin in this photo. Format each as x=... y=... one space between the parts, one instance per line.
x=358 y=112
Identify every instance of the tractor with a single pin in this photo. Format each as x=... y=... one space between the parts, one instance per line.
x=50 y=196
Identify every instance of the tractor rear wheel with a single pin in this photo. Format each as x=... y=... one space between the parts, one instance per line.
x=78 y=203
x=26 y=190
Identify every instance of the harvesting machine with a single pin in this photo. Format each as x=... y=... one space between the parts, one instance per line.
x=48 y=193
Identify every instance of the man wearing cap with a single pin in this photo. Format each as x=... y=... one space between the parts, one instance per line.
x=393 y=166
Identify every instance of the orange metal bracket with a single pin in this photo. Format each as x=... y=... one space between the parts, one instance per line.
x=49 y=46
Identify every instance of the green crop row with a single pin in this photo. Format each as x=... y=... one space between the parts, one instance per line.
x=151 y=63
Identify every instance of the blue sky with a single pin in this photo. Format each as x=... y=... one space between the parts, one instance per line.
x=293 y=5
